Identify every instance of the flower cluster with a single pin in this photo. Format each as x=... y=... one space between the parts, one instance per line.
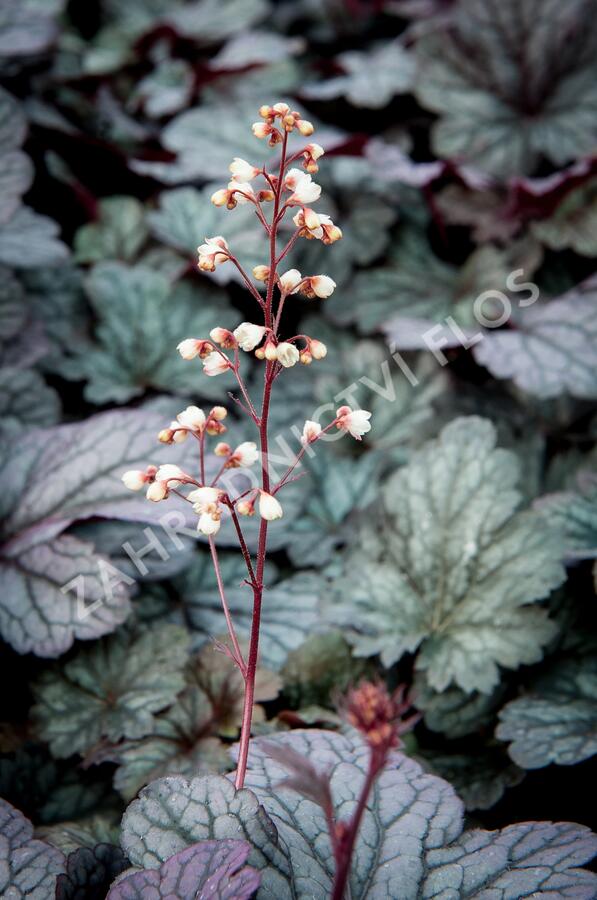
x=288 y=190
x=379 y=715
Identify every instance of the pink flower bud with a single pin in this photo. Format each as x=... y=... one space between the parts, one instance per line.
x=306 y=128
x=311 y=431
x=134 y=479
x=318 y=349
x=189 y=348
x=245 y=507
x=213 y=252
x=223 y=337
x=222 y=449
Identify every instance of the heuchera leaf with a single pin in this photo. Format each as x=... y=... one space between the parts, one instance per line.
x=460 y=594
x=552 y=349
x=69 y=473
x=28 y=868
x=29 y=241
x=556 y=721
x=208 y=869
x=48 y=790
x=167 y=89
x=388 y=297
x=371 y=78
x=475 y=72
x=26 y=400
x=57 y=587
x=411 y=833
x=185 y=738
x=16 y=169
x=213 y=20
x=204 y=143
x=124 y=362
x=111 y=689
x=172 y=814
x=90 y=872
x=321 y=669
x=55 y=592
x=574 y=513
x=480 y=778
x=119 y=232
x=454 y=712
x=574 y=223
x=12 y=305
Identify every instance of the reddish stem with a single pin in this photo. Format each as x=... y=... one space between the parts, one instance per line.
x=344 y=849
x=237 y=656
x=245 y=734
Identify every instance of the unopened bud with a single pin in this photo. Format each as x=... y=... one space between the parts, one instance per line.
x=166 y=436
x=318 y=349
x=218 y=413
x=222 y=449
x=223 y=337
x=245 y=507
x=261 y=273
x=270 y=351
x=306 y=358
x=306 y=128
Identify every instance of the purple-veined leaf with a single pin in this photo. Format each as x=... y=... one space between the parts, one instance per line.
x=209 y=870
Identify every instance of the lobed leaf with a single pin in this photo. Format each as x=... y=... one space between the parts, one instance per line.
x=556 y=721
x=28 y=867
x=455 y=571
x=110 y=690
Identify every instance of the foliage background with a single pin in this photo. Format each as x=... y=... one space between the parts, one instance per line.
x=452 y=551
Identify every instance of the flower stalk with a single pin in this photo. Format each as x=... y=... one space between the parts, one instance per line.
x=290 y=191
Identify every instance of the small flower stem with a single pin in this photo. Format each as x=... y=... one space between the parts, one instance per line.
x=219 y=473
x=245 y=734
x=249 y=284
x=243 y=545
x=243 y=389
x=238 y=656
x=289 y=246
x=284 y=479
